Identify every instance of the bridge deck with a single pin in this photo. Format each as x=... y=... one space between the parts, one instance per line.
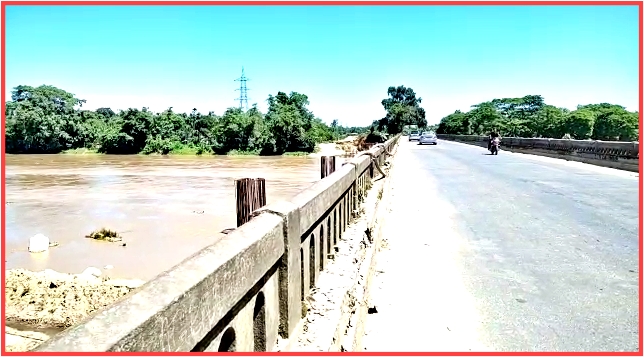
x=505 y=253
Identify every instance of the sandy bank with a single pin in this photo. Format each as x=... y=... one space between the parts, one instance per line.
x=21 y=341
x=52 y=299
x=345 y=147
x=328 y=149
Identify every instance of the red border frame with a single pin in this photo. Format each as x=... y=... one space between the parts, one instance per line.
x=639 y=4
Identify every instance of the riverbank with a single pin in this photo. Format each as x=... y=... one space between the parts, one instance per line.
x=346 y=147
x=230 y=153
x=187 y=151
x=52 y=300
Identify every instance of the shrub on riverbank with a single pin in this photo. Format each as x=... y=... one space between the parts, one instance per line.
x=47 y=119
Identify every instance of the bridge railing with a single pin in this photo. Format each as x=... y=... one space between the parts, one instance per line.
x=615 y=154
x=242 y=293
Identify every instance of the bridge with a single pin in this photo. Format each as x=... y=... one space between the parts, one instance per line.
x=411 y=248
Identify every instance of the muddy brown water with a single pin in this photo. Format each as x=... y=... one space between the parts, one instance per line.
x=167 y=208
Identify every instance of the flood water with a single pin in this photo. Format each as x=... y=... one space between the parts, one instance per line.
x=166 y=208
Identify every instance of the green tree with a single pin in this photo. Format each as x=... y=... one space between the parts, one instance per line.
x=485 y=118
x=403 y=108
x=40 y=120
x=579 y=124
x=289 y=120
x=612 y=122
x=455 y=123
x=530 y=116
x=549 y=122
x=136 y=126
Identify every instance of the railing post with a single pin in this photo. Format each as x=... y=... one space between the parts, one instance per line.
x=290 y=298
x=250 y=195
x=327 y=166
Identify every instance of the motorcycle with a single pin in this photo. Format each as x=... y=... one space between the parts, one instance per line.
x=494 y=147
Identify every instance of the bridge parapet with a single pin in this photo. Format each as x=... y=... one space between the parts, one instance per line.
x=614 y=154
x=245 y=291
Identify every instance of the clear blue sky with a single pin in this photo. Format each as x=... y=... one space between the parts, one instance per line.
x=343 y=57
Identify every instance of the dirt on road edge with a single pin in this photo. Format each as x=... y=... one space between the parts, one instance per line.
x=340 y=298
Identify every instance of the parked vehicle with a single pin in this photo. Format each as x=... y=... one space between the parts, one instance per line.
x=428 y=138
x=414 y=135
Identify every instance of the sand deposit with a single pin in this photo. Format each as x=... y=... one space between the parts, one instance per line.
x=348 y=147
x=52 y=299
x=21 y=341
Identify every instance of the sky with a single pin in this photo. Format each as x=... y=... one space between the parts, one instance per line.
x=342 y=57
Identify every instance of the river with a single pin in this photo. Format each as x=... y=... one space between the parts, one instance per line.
x=167 y=208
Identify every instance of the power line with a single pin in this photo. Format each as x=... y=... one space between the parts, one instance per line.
x=243 y=91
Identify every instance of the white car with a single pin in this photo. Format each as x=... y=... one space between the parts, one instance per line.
x=414 y=135
x=428 y=138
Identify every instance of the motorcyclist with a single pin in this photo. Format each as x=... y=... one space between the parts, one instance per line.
x=491 y=138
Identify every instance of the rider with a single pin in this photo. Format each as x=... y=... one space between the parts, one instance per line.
x=493 y=135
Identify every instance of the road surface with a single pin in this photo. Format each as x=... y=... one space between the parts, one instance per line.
x=505 y=253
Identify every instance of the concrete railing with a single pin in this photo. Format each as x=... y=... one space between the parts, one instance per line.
x=614 y=154
x=242 y=293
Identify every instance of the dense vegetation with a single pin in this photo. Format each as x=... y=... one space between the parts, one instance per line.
x=531 y=117
x=47 y=119
x=403 y=109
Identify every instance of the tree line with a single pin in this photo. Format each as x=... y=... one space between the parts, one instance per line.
x=47 y=119
x=531 y=117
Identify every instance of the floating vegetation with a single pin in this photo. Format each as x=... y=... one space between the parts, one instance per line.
x=106 y=235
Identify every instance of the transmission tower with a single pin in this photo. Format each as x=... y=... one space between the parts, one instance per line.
x=243 y=91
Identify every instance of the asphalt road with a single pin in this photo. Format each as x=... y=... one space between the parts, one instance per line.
x=505 y=253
